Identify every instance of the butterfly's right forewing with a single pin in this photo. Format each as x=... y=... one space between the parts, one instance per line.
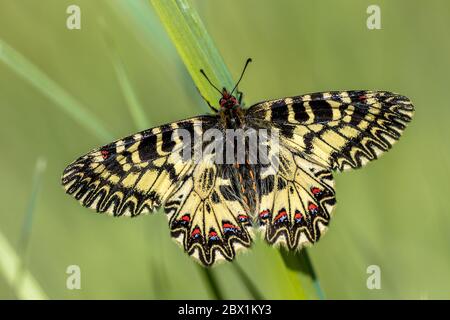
x=339 y=129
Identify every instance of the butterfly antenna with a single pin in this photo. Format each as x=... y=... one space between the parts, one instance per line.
x=206 y=77
x=242 y=74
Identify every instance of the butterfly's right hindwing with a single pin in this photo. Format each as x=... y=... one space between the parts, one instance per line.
x=296 y=201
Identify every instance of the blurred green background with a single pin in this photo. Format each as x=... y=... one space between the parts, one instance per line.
x=394 y=213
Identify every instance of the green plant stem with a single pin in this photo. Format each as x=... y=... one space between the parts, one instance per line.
x=252 y=289
x=212 y=281
x=302 y=264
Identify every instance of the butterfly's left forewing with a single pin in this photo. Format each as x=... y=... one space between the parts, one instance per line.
x=136 y=174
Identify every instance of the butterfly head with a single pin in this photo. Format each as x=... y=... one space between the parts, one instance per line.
x=228 y=101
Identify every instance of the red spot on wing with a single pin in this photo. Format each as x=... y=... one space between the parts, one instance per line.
x=298 y=215
x=186 y=218
x=195 y=232
x=264 y=214
x=212 y=234
x=315 y=190
x=242 y=218
x=362 y=98
x=229 y=225
x=280 y=214
x=105 y=154
x=312 y=207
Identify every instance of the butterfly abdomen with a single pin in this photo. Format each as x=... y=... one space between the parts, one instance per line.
x=247 y=185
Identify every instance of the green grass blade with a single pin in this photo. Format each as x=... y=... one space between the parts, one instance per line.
x=134 y=106
x=12 y=264
x=147 y=24
x=210 y=278
x=24 y=240
x=300 y=263
x=62 y=99
x=28 y=288
x=195 y=46
x=133 y=103
x=252 y=289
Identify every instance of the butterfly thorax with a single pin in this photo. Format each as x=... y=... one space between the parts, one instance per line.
x=232 y=118
x=231 y=114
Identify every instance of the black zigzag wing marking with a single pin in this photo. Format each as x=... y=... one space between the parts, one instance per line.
x=136 y=174
x=339 y=129
x=209 y=219
x=296 y=201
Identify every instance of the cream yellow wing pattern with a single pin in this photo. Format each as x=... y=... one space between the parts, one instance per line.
x=134 y=175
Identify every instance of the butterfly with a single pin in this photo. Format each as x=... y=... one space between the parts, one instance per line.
x=214 y=208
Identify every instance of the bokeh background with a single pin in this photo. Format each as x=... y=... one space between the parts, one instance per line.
x=394 y=213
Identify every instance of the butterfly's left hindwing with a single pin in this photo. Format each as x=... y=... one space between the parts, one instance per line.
x=136 y=174
x=207 y=216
